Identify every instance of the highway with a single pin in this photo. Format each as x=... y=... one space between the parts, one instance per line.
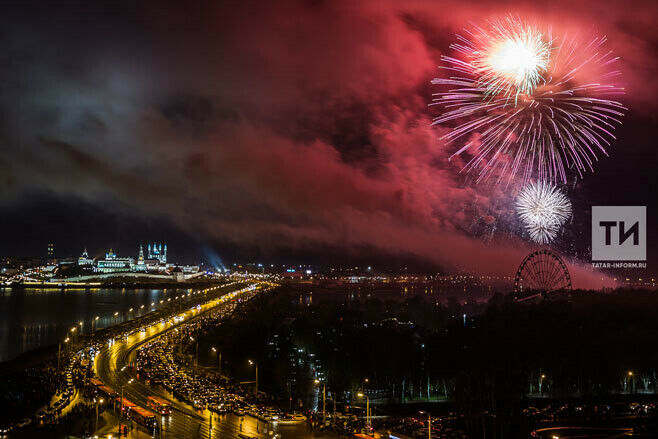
x=184 y=422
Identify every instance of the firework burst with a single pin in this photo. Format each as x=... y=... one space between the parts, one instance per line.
x=509 y=59
x=526 y=103
x=543 y=209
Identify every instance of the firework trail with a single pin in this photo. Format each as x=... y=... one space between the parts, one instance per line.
x=543 y=209
x=528 y=103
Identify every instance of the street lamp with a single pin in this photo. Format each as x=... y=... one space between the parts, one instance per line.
x=197 y=354
x=429 y=424
x=253 y=363
x=363 y=395
x=363 y=384
x=121 y=412
x=324 y=401
x=59 y=350
x=97 y=402
x=630 y=381
x=219 y=360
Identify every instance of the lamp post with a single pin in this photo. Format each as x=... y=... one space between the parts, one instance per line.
x=324 y=401
x=630 y=381
x=253 y=363
x=429 y=424
x=363 y=395
x=542 y=377
x=196 y=354
x=97 y=402
x=121 y=412
x=59 y=350
x=219 y=361
x=66 y=341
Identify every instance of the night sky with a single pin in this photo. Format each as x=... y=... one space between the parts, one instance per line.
x=280 y=131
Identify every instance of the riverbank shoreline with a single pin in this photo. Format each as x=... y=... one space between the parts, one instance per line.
x=124 y=283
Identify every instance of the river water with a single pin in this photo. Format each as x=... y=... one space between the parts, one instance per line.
x=34 y=318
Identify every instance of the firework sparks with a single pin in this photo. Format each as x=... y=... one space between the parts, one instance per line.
x=510 y=59
x=526 y=103
x=543 y=209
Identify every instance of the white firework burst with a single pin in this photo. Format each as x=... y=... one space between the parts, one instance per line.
x=511 y=57
x=543 y=209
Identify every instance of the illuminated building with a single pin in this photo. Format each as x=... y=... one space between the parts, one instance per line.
x=155 y=263
x=84 y=259
x=155 y=251
x=141 y=263
x=113 y=264
x=51 y=250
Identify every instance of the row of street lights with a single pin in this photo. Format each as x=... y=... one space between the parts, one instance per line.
x=197 y=359
x=72 y=332
x=153 y=305
x=628 y=379
x=73 y=329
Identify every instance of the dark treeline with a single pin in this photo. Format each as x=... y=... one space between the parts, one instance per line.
x=23 y=392
x=415 y=349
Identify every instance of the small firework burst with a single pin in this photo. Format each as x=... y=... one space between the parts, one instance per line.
x=543 y=209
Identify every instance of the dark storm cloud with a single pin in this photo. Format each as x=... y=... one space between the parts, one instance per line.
x=294 y=125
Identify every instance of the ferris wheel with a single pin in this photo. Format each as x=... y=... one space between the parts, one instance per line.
x=541 y=272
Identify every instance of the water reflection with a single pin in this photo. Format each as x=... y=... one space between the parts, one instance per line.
x=33 y=318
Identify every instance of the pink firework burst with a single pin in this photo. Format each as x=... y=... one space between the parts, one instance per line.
x=521 y=102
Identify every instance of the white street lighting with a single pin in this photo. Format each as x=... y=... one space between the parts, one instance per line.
x=253 y=363
x=363 y=395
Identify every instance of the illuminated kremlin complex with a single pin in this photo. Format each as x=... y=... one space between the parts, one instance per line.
x=155 y=261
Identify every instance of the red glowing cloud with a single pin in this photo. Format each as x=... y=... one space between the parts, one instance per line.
x=291 y=126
